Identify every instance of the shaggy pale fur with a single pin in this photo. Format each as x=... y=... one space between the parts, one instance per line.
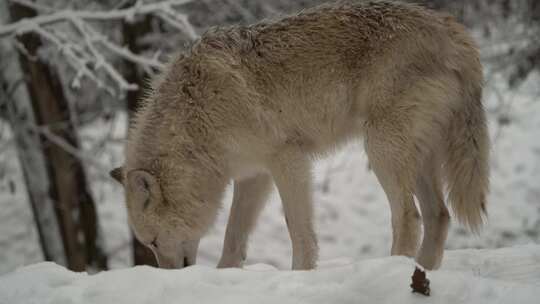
x=257 y=104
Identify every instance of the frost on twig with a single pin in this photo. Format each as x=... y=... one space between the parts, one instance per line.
x=89 y=52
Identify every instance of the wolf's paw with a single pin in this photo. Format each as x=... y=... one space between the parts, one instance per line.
x=420 y=283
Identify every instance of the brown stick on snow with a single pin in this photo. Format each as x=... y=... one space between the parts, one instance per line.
x=420 y=283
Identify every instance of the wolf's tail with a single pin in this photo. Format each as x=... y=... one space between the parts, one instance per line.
x=467 y=158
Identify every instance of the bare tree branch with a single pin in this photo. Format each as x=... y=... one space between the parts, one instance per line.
x=66 y=146
x=28 y=25
x=86 y=51
x=33 y=5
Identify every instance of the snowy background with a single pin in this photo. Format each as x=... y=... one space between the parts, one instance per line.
x=352 y=215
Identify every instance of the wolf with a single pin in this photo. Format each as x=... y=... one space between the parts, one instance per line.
x=257 y=104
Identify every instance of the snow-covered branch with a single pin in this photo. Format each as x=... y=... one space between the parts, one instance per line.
x=128 y=14
x=86 y=51
x=69 y=148
x=37 y=7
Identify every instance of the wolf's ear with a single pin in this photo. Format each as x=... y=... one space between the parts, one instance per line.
x=142 y=184
x=117 y=175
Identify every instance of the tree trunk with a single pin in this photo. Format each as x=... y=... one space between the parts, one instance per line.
x=19 y=113
x=142 y=255
x=73 y=205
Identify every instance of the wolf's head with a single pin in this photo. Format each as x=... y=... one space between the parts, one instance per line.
x=168 y=219
x=172 y=175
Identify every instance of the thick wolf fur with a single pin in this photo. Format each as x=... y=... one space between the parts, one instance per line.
x=257 y=104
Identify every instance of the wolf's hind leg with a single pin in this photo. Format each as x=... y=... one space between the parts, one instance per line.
x=434 y=214
x=390 y=161
x=248 y=200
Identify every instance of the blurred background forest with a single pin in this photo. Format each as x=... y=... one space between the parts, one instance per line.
x=71 y=72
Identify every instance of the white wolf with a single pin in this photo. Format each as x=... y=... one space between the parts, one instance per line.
x=257 y=104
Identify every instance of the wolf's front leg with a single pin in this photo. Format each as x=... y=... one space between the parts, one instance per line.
x=248 y=199
x=293 y=180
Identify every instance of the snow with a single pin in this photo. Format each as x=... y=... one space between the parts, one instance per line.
x=469 y=276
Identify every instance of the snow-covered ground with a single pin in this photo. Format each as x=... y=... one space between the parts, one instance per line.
x=469 y=276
